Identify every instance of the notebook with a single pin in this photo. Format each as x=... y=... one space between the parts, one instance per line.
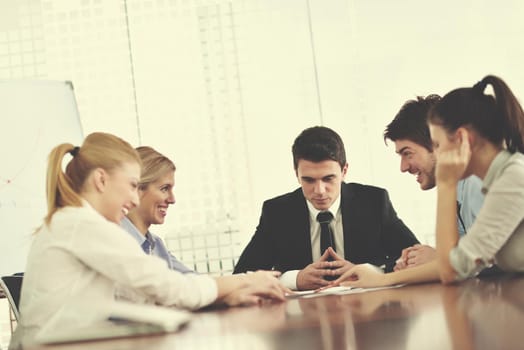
x=126 y=320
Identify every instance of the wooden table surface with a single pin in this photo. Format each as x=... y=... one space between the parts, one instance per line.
x=475 y=314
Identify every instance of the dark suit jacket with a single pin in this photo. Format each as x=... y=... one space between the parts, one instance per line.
x=372 y=231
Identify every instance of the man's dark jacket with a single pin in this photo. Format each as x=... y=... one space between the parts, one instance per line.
x=372 y=231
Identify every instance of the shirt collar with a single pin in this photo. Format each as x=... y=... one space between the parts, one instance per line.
x=131 y=228
x=313 y=212
x=494 y=168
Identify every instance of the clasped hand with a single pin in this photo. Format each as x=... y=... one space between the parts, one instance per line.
x=312 y=276
x=415 y=255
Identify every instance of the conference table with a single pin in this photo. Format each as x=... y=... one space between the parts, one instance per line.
x=483 y=313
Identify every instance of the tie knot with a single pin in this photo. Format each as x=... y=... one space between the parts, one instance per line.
x=324 y=217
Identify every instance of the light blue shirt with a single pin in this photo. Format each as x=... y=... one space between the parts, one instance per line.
x=155 y=246
x=470 y=200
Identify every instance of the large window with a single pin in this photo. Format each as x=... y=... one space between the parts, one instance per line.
x=224 y=86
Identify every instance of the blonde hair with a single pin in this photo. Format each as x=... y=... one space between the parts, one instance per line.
x=154 y=165
x=99 y=150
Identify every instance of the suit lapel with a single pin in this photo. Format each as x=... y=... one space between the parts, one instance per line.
x=350 y=219
x=300 y=230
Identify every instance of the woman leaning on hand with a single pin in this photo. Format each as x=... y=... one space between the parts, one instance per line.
x=474 y=133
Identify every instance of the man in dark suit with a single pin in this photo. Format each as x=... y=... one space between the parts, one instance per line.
x=362 y=226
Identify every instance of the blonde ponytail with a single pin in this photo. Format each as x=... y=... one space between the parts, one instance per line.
x=99 y=150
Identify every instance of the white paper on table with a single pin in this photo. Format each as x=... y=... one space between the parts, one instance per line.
x=337 y=290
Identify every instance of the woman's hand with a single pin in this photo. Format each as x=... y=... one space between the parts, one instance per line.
x=452 y=162
x=256 y=287
x=362 y=276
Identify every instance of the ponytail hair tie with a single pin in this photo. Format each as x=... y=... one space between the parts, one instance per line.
x=480 y=87
x=74 y=151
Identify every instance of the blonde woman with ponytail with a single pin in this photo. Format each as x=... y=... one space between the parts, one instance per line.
x=80 y=252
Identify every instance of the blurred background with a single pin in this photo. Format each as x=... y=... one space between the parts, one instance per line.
x=223 y=87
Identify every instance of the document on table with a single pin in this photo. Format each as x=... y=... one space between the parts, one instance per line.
x=337 y=290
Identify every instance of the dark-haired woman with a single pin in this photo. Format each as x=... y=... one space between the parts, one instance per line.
x=474 y=133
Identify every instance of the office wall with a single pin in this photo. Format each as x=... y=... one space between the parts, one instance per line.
x=224 y=86
x=374 y=55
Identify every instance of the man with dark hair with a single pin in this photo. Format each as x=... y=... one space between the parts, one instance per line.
x=410 y=133
x=320 y=230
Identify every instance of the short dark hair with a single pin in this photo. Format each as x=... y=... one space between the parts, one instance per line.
x=410 y=123
x=317 y=144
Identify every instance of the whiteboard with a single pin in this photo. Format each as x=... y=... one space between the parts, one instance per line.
x=35 y=115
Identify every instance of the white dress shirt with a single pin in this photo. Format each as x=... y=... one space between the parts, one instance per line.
x=289 y=278
x=75 y=262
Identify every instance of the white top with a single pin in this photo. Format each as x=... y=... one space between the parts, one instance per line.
x=335 y=226
x=74 y=263
x=289 y=278
x=497 y=235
